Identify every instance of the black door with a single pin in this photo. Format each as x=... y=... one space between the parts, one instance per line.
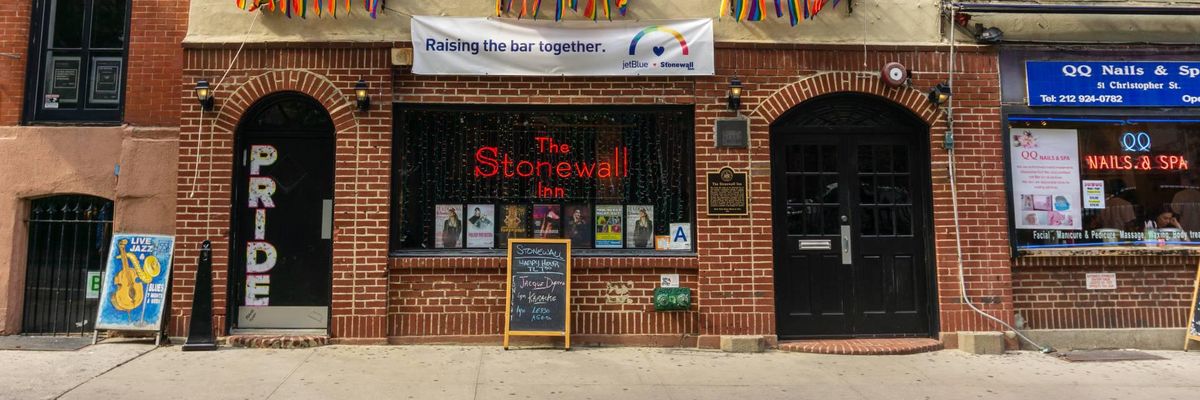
x=851 y=222
x=284 y=206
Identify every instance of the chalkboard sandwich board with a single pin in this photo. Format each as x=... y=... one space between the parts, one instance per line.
x=538 y=301
x=1193 y=326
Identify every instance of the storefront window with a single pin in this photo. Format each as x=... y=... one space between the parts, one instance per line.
x=1097 y=182
x=610 y=179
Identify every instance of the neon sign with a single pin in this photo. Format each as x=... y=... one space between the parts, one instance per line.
x=490 y=162
x=1122 y=162
x=1135 y=142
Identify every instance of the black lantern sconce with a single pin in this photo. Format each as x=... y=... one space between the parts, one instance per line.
x=361 y=97
x=940 y=94
x=204 y=95
x=735 y=94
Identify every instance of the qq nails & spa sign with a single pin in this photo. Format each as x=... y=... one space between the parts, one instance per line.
x=1045 y=180
x=485 y=46
x=1113 y=83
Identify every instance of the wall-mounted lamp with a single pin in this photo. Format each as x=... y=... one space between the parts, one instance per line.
x=940 y=94
x=204 y=95
x=735 y=94
x=360 y=95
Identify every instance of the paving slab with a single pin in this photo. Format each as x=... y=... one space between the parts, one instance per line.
x=32 y=374
x=489 y=372
x=168 y=373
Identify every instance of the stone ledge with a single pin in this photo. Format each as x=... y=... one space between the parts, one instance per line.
x=872 y=347
x=276 y=342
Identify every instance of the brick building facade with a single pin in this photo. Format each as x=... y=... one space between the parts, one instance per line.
x=421 y=299
x=121 y=163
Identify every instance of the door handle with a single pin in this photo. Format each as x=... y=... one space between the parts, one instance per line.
x=847 y=258
x=327 y=219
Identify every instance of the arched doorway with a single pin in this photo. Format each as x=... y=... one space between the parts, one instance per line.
x=282 y=256
x=64 y=260
x=850 y=179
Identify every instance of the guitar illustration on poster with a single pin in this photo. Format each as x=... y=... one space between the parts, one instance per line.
x=134 y=291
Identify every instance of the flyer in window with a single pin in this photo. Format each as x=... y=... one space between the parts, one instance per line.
x=608 y=227
x=640 y=230
x=547 y=221
x=1045 y=176
x=577 y=225
x=513 y=223
x=448 y=226
x=481 y=226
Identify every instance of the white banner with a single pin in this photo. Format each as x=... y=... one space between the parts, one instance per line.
x=1045 y=178
x=486 y=46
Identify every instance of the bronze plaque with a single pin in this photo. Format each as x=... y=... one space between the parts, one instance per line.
x=728 y=193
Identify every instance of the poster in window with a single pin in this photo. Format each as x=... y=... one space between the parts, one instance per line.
x=448 y=226
x=106 y=80
x=64 y=79
x=578 y=225
x=608 y=227
x=640 y=230
x=547 y=221
x=1045 y=177
x=513 y=223
x=481 y=226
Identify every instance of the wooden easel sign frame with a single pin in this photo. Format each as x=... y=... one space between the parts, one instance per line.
x=538 y=299
x=1193 y=326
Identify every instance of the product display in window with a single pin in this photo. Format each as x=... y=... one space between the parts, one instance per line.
x=449 y=226
x=549 y=172
x=481 y=226
x=1104 y=183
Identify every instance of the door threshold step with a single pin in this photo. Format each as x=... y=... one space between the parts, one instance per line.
x=278 y=339
x=863 y=347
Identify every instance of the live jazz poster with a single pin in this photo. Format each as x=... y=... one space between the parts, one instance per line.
x=135 y=282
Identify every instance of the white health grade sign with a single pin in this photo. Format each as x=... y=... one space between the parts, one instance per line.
x=486 y=46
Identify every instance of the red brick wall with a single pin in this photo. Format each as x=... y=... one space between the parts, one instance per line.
x=733 y=275
x=1152 y=292
x=361 y=175
x=155 y=62
x=735 y=271
x=465 y=297
x=14 y=43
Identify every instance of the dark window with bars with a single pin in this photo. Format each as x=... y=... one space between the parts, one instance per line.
x=435 y=160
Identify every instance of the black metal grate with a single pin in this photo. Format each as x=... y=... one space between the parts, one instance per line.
x=68 y=237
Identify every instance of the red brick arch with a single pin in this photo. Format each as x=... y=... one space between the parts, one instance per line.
x=320 y=88
x=791 y=95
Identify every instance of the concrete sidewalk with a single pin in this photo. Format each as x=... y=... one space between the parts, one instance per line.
x=446 y=372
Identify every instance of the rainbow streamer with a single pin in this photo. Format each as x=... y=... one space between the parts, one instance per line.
x=537 y=8
x=303 y=8
x=623 y=6
x=778 y=10
x=241 y=4
x=793 y=13
x=589 y=10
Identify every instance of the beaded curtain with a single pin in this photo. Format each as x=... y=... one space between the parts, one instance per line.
x=434 y=162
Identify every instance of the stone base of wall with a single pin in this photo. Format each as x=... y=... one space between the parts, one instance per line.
x=665 y=340
x=1086 y=339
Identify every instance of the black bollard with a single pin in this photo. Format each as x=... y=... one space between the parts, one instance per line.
x=200 y=332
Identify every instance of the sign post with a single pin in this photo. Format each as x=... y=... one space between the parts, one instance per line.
x=538 y=300
x=134 y=292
